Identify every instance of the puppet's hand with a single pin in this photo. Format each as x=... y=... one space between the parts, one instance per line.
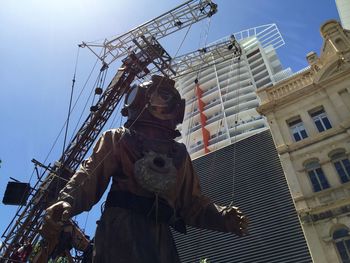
x=235 y=221
x=54 y=219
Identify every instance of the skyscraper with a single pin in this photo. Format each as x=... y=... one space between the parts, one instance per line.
x=220 y=108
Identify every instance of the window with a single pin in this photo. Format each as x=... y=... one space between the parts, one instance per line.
x=316 y=175
x=297 y=129
x=342 y=165
x=320 y=119
x=342 y=243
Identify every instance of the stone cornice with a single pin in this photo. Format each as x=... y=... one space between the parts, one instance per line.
x=303 y=84
x=325 y=204
x=332 y=66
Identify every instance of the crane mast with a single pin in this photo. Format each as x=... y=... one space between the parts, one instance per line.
x=141 y=47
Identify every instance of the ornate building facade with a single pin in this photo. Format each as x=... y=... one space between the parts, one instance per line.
x=309 y=118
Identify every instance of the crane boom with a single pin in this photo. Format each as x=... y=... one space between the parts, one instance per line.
x=174 y=20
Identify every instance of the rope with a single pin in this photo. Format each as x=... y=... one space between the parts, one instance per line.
x=230 y=73
x=235 y=134
x=65 y=123
x=190 y=122
x=86 y=220
x=60 y=132
x=84 y=108
x=70 y=102
x=206 y=33
x=205 y=36
x=183 y=40
x=115 y=116
x=104 y=157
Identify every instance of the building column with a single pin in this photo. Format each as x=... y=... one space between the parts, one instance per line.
x=339 y=107
x=292 y=179
x=314 y=243
x=308 y=123
x=275 y=129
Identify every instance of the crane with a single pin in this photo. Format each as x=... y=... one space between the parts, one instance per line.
x=143 y=56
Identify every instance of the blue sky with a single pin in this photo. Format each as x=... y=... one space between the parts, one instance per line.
x=38 y=49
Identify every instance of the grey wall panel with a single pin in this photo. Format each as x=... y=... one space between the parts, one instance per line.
x=251 y=172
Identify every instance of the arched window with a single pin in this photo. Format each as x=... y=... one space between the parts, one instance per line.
x=341 y=164
x=342 y=242
x=317 y=177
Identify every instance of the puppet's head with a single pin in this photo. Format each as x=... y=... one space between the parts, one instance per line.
x=156 y=103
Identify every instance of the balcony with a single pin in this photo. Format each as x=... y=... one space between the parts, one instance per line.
x=191 y=114
x=242 y=107
x=212 y=104
x=253 y=119
x=214 y=118
x=323 y=200
x=193 y=99
x=196 y=147
x=239 y=134
x=194 y=128
x=256 y=63
x=215 y=139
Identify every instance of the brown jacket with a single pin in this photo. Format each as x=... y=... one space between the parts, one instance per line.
x=131 y=237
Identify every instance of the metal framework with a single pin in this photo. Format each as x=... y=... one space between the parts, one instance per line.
x=223 y=49
x=267 y=35
x=205 y=57
x=174 y=20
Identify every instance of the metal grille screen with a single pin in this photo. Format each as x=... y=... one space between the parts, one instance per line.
x=260 y=189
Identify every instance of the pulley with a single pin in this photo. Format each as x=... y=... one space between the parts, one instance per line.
x=94 y=108
x=98 y=91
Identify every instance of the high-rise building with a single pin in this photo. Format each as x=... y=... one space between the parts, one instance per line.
x=309 y=117
x=220 y=108
x=343 y=7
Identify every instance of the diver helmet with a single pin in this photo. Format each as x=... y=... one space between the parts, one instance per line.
x=156 y=102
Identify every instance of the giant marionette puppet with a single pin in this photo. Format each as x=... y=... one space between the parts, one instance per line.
x=153 y=187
